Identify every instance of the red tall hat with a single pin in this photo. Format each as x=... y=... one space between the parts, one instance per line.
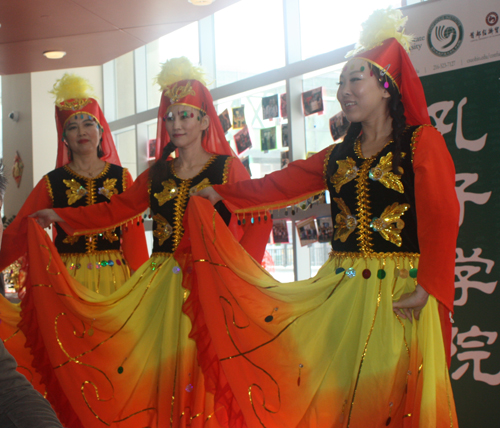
x=73 y=97
x=387 y=48
x=182 y=83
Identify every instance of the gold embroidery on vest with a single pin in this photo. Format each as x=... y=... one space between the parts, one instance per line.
x=345 y=221
x=200 y=186
x=110 y=235
x=346 y=172
x=108 y=188
x=389 y=224
x=71 y=239
x=76 y=191
x=163 y=229
x=383 y=174
x=170 y=191
x=363 y=208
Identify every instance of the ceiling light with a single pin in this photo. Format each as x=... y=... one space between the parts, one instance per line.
x=201 y=2
x=54 y=54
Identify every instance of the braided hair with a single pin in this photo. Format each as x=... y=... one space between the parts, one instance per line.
x=159 y=172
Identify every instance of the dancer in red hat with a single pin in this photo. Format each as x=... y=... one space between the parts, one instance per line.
x=132 y=361
x=365 y=342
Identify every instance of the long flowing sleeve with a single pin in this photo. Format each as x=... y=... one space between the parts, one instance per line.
x=14 y=241
x=134 y=244
x=297 y=182
x=123 y=208
x=437 y=215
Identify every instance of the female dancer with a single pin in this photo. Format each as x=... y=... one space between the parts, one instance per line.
x=361 y=343
x=139 y=367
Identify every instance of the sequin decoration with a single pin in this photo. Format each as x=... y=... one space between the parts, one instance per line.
x=104 y=263
x=270 y=318
x=76 y=191
x=339 y=270
x=78 y=265
x=189 y=388
x=346 y=171
x=403 y=273
x=170 y=190
x=200 y=186
x=120 y=370
x=98 y=265
x=381 y=274
x=118 y=262
x=89 y=266
x=383 y=174
x=163 y=229
x=413 y=272
x=108 y=188
x=345 y=221
x=351 y=272
x=366 y=273
x=389 y=225
x=176 y=269
x=111 y=263
x=153 y=266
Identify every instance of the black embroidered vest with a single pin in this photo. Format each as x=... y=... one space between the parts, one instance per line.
x=69 y=189
x=168 y=201
x=373 y=209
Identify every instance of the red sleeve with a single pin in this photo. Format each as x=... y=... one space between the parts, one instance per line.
x=14 y=242
x=134 y=245
x=253 y=237
x=297 y=182
x=437 y=215
x=123 y=208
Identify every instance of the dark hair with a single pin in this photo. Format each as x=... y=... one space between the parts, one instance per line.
x=397 y=113
x=159 y=171
x=3 y=181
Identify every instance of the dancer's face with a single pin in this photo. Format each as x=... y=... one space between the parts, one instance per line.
x=185 y=125
x=82 y=134
x=360 y=94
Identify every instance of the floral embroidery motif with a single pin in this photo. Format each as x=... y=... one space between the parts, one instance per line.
x=110 y=236
x=346 y=172
x=345 y=221
x=71 y=239
x=389 y=224
x=108 y=188
x=175 y=93
x=200 y=186
x=163 y=228
x=383 y=174
x=170 y=191
x=76 y=191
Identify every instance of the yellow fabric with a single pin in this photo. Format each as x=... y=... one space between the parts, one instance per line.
x=334 y=353
x=101 y=279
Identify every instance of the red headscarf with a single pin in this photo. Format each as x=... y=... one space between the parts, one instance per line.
x=192 y=93
x=72 y=98
x=392 y=58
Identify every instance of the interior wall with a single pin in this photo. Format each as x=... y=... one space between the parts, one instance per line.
x=16 y=97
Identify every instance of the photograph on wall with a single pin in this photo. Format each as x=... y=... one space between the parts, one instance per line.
x=338 y=126
x=268 y=139
x=242 y=140
x=280 y=232
x=270 y=107
x=239 y=117
x=284 y=135
x=307 y=231
x=283 y=105
x=225 y=121
x=285 y=159
x=246 y=163
x=151 y=148
x=312 y=101
x=325 y=229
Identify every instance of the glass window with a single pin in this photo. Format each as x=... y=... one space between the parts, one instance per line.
x=125 y=141
x=317 y=126
x=124 y=85
x=327 y=25
x=249 y=39
x=182 y=42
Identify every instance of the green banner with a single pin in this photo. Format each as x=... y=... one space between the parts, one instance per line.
x=465 y=106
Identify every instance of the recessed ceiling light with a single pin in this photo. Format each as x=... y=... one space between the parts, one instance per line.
x=54 y=54
x=201 y=2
